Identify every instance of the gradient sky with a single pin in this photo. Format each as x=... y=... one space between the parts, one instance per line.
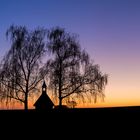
x=108 y=29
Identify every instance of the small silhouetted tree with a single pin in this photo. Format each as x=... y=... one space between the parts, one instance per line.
x=72 y=74
x=71 y=104
x=21 y=69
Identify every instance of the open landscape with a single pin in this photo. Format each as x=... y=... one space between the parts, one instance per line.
x=69 y=53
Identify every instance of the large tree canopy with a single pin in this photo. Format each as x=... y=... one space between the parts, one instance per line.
x=72 y=74
x=21 y=70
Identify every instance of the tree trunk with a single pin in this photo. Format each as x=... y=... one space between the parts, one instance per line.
x=26 y=102
x=60 y=85
x=26 y=97
x=60 y=95
x=60 y=102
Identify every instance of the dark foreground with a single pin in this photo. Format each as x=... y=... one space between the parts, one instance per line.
x=89 y=121
x=77 y=115
x=73 y=114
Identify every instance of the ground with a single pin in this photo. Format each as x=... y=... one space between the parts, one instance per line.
x=89 y=121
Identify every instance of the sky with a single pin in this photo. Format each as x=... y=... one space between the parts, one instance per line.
x=109 y=30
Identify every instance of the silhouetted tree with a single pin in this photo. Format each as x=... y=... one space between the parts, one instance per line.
x=71 y=104
x=72 y=74
x=21 y=69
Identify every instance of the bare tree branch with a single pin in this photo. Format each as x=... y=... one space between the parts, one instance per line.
x=20 y=68
x=71 y=72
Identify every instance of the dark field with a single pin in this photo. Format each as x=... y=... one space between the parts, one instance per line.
x=78 y=114
x=68 y=123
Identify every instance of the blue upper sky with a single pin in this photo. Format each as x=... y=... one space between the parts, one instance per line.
x=91 y=19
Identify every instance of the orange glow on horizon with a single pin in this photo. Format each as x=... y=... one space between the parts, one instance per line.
x=113 y=103
x=112 y=99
